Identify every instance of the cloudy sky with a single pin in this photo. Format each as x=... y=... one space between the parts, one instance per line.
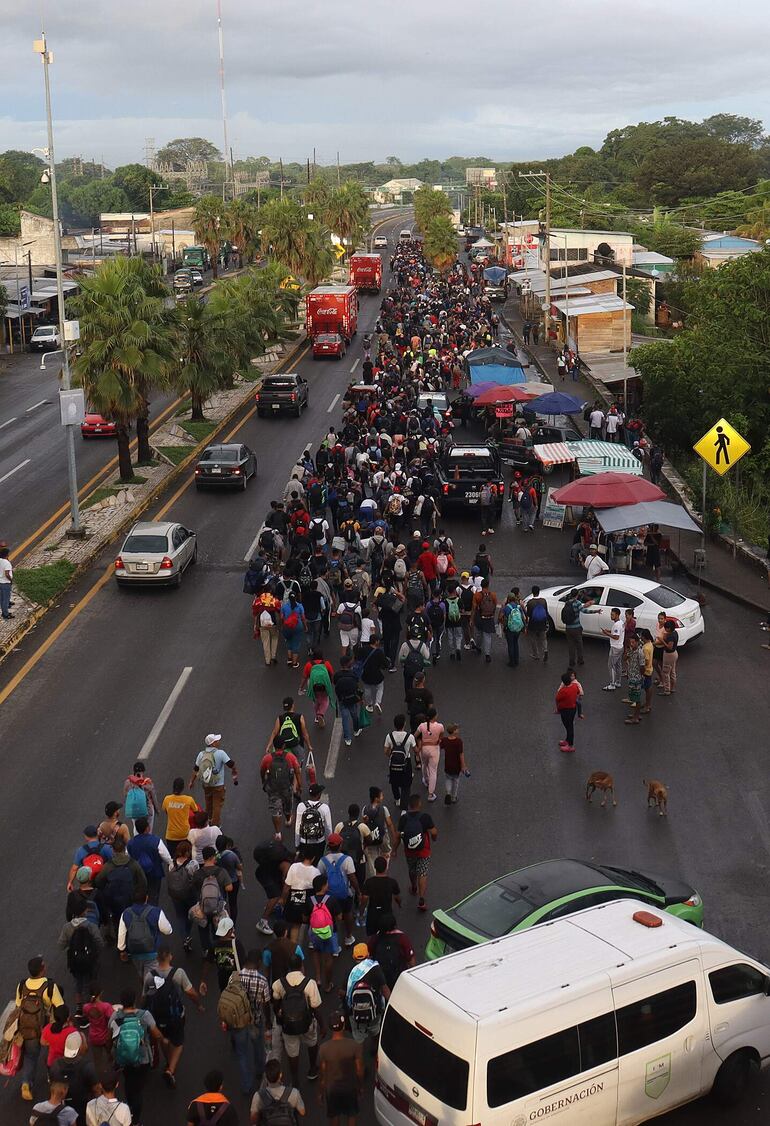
x=412 y=78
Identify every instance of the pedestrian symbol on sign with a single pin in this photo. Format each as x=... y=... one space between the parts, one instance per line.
x=722 y=444
x=722 y=447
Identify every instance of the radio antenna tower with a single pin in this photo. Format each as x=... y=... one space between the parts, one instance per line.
x=226 y=149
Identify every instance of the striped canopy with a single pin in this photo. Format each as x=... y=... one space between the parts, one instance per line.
x=598 y=457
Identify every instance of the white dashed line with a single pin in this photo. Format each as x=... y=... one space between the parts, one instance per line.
x=166 y=711
x=36 y=405
x=355 y=365
x=15 y=469
x=332 y=404
x=334 y=750
x=7 y=423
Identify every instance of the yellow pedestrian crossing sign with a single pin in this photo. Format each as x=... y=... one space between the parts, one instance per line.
x=339 y=251
x=722 y=446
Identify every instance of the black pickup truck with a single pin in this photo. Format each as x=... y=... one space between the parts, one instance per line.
x=279 y=394
x=463 y=470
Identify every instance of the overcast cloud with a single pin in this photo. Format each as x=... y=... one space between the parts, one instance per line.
x=412 y=78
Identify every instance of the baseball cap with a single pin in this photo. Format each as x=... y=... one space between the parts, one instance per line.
x=212 y=739
x=224 y=926
x=593 y=547
x=334 y=839
x=315 y=790
x=360 y=950
x=90 y=831
x=337 y=1021
x=83 y=875
x=465 y=575
x=72 y=1045
x=349 y=584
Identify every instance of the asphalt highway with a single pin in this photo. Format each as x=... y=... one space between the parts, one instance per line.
x=84 y=692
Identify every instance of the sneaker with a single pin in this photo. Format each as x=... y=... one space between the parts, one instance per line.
x=187 y=946
x=348 y=742
x=431 y=797
x=490 y=531
x=608 y=688
x=393 y=669
x=350 y=940
x=378 y=708
x=312 y=1075
x=358 y=731
x=264 y=927
x=422 y=905
x=26 y=1093
x=447 y=799
x=568 y=749
x=467 y=646
x=370 y=709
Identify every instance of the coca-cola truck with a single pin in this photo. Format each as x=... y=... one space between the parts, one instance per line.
x=332 y=309
x=366 y=271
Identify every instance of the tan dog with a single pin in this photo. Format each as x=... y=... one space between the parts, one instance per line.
x=601 y=780
x=657 y=794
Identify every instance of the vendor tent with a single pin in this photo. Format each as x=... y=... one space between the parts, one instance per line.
x=492 y=356
x=553 y=453
x=598 y=457
x=497 y=373
x=661 y=512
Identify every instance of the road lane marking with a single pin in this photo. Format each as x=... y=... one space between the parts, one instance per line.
x=334 y=749
x=332 y=404
x=29 y=664
x=165 y=712
x=15 y=469
x=8 y=423
x=36 y=405
x=248 y=556
x=355 y=365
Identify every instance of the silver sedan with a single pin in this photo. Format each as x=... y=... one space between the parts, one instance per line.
x=155 y=553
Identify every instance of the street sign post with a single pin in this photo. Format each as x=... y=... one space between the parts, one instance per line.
x=721 y=447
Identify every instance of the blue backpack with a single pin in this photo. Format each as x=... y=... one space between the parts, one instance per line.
x=136 y=803
x=339 y=888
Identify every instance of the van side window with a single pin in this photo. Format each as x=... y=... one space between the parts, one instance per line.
x=427 y=1063
x=598 y=1041
x=731 y=983
x=654 y=1018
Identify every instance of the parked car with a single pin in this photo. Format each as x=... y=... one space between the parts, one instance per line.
x=328 y=344
x=45 y=338
x=229 y=465
x=282 y=394
x=645 y=596
x=196 y=275
x=155 y=553
x=97 y=426
x=549 y=890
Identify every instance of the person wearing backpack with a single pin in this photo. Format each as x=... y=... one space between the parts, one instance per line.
x=382 y=831
x=342 y=881
x=120 y=880
x=292 y=729
x=454 y=622
x=248 y=1029
x=485 y=608
x=141 y=926
x=83 y=942
x=297 y=886
x=151 y=854
x=265 y=609
x=112 y=826
x=297 y=1004
x=313 y=823
x=92 y=854
x=399 y=748
x=293 y=626
x=322 y=929
x=164 y=991
x=36 y=998
x=573 y=630
x=275 y=1103
x=348 y=614
x=342 y=1074
x=436 y=612
x=392 y=949
x=486 y=508
x=75 y=1068
x=348 y=697
x=181 y=890
x=107 y=1109
x=133 y=1031
x=212 y=1106
x=54 y=1111
x=281 y=776
x=212 y=885
x=537 y=625
x=417 y=833
x=366 y=995
x=512 y=621
x=139 y=797
x=414 y=656
x=527 y=506
x=210 y=768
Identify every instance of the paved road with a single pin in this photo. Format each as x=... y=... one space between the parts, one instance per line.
x=73 y=726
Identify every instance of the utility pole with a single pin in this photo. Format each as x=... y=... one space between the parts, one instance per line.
x=226 y=148
x=308 y=170
x=547 y=315
x=75 y=529
x=625 y=351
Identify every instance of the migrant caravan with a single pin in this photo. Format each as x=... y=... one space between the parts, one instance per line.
x=611 y=1017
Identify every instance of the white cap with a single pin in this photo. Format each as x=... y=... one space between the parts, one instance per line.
x=224 y=926
x=212 y=739
x=72 y=1045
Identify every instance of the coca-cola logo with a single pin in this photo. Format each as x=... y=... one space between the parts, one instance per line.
x=326 y=312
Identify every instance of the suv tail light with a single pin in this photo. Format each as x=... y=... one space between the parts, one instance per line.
x=293 y=396
x=166 y=564
x=256 y=396
x=433 y=930
x=119 y=564
x=445 y=490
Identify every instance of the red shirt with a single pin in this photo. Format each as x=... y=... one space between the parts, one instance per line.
x=309 y=665
x=567 y=696
x=427 y=564
x=55 y=1041
x=267 y=762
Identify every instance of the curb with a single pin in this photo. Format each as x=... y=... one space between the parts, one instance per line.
x=178 y=471
x=732 y=595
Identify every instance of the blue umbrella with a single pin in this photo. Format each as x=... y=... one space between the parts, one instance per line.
x=557 y=402
x=495 y=274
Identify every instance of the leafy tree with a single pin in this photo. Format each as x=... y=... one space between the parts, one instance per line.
x=240 y=226
x=317 y=258
x=9 y=220
x=135 y=181
x=440 y=242
x=736 y=129
x=126 y=346
x=428 y=205
x=317 y=194
x=182 y=149
x=638 y=294
x=699 y=167
x=207 y=223
x=204 y=348
x=20 y=174
x=85 y=204
x=346 y=212
x=284 y=231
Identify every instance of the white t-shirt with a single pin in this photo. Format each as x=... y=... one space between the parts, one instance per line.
x=201 y=838
x=408 y=744
x=103 y=1109
x=368 y=627
x=616 y=635
x=597 y=418
x=612 y=423
x=300 y=876
x=594 y=566
x=6 y=571
x=325 y=812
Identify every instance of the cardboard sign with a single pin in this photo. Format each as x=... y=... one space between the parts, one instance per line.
x=504 y=410
x=551 y=513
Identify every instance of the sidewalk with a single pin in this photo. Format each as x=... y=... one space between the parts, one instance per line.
x=735 y=577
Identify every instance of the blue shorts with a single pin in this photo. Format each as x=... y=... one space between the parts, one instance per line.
x=646 y=682
x=325 y=945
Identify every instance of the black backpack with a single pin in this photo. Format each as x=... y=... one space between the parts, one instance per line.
x=413 y=834
x=51 y=1117
x=276 y=1112
x=568 y=615
x=398 y=762
x=387 y=951
x=296 y=1014
x=414 y=662
x=364 y=1004
x=352 y=844
x=436 y=615
x=82 y=951
x=311 y=826
x=166 y=1003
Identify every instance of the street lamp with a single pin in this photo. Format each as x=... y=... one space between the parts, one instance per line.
x=41 y=48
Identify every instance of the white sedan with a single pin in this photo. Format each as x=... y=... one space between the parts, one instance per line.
x=380 y=242
x=646 y=597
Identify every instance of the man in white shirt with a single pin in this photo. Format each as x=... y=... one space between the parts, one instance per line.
x=308 y=830
x=107 y=1107
x=6 y=578
x=593 y=563
x=596 y=421
x=613 y=421
x=615 y=657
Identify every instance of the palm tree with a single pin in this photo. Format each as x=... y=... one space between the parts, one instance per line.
x=346 y=212
x=284 y=230
x=318 y=257
x=316 y=195
x=203 y=344
x=125 y=343
x=240 y=225
x=428 y=204
x=440 y=243
x=207 y=220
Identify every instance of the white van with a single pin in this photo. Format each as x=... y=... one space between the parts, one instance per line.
x=611 y=1017
x=405 y=236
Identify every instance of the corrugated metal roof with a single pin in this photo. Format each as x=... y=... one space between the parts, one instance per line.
x=596 y=303
x=596 y=457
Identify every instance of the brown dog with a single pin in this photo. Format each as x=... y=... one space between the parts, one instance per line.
x=657 y=794
x=601 y=780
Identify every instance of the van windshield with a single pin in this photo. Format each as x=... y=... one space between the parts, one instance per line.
x=439 y=1072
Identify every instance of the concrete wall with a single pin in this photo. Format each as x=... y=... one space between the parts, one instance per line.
x=36 y=238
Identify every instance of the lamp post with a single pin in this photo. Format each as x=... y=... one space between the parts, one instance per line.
x=76 y=528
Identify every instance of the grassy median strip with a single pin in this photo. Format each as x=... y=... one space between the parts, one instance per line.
x=199 y=430
x=97 y=495
x=41 y=584
x=175 y=454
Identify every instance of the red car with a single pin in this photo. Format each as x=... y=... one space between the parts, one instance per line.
x=328 y=344
x=96 y=426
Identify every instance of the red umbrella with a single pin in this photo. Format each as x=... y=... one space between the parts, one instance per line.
x=607 y=490
x=502 y=395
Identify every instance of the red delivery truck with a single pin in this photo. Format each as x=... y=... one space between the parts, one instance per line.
x=366 y=271
x=332 y=308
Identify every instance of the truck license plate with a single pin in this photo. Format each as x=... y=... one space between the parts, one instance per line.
x=276 y=406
